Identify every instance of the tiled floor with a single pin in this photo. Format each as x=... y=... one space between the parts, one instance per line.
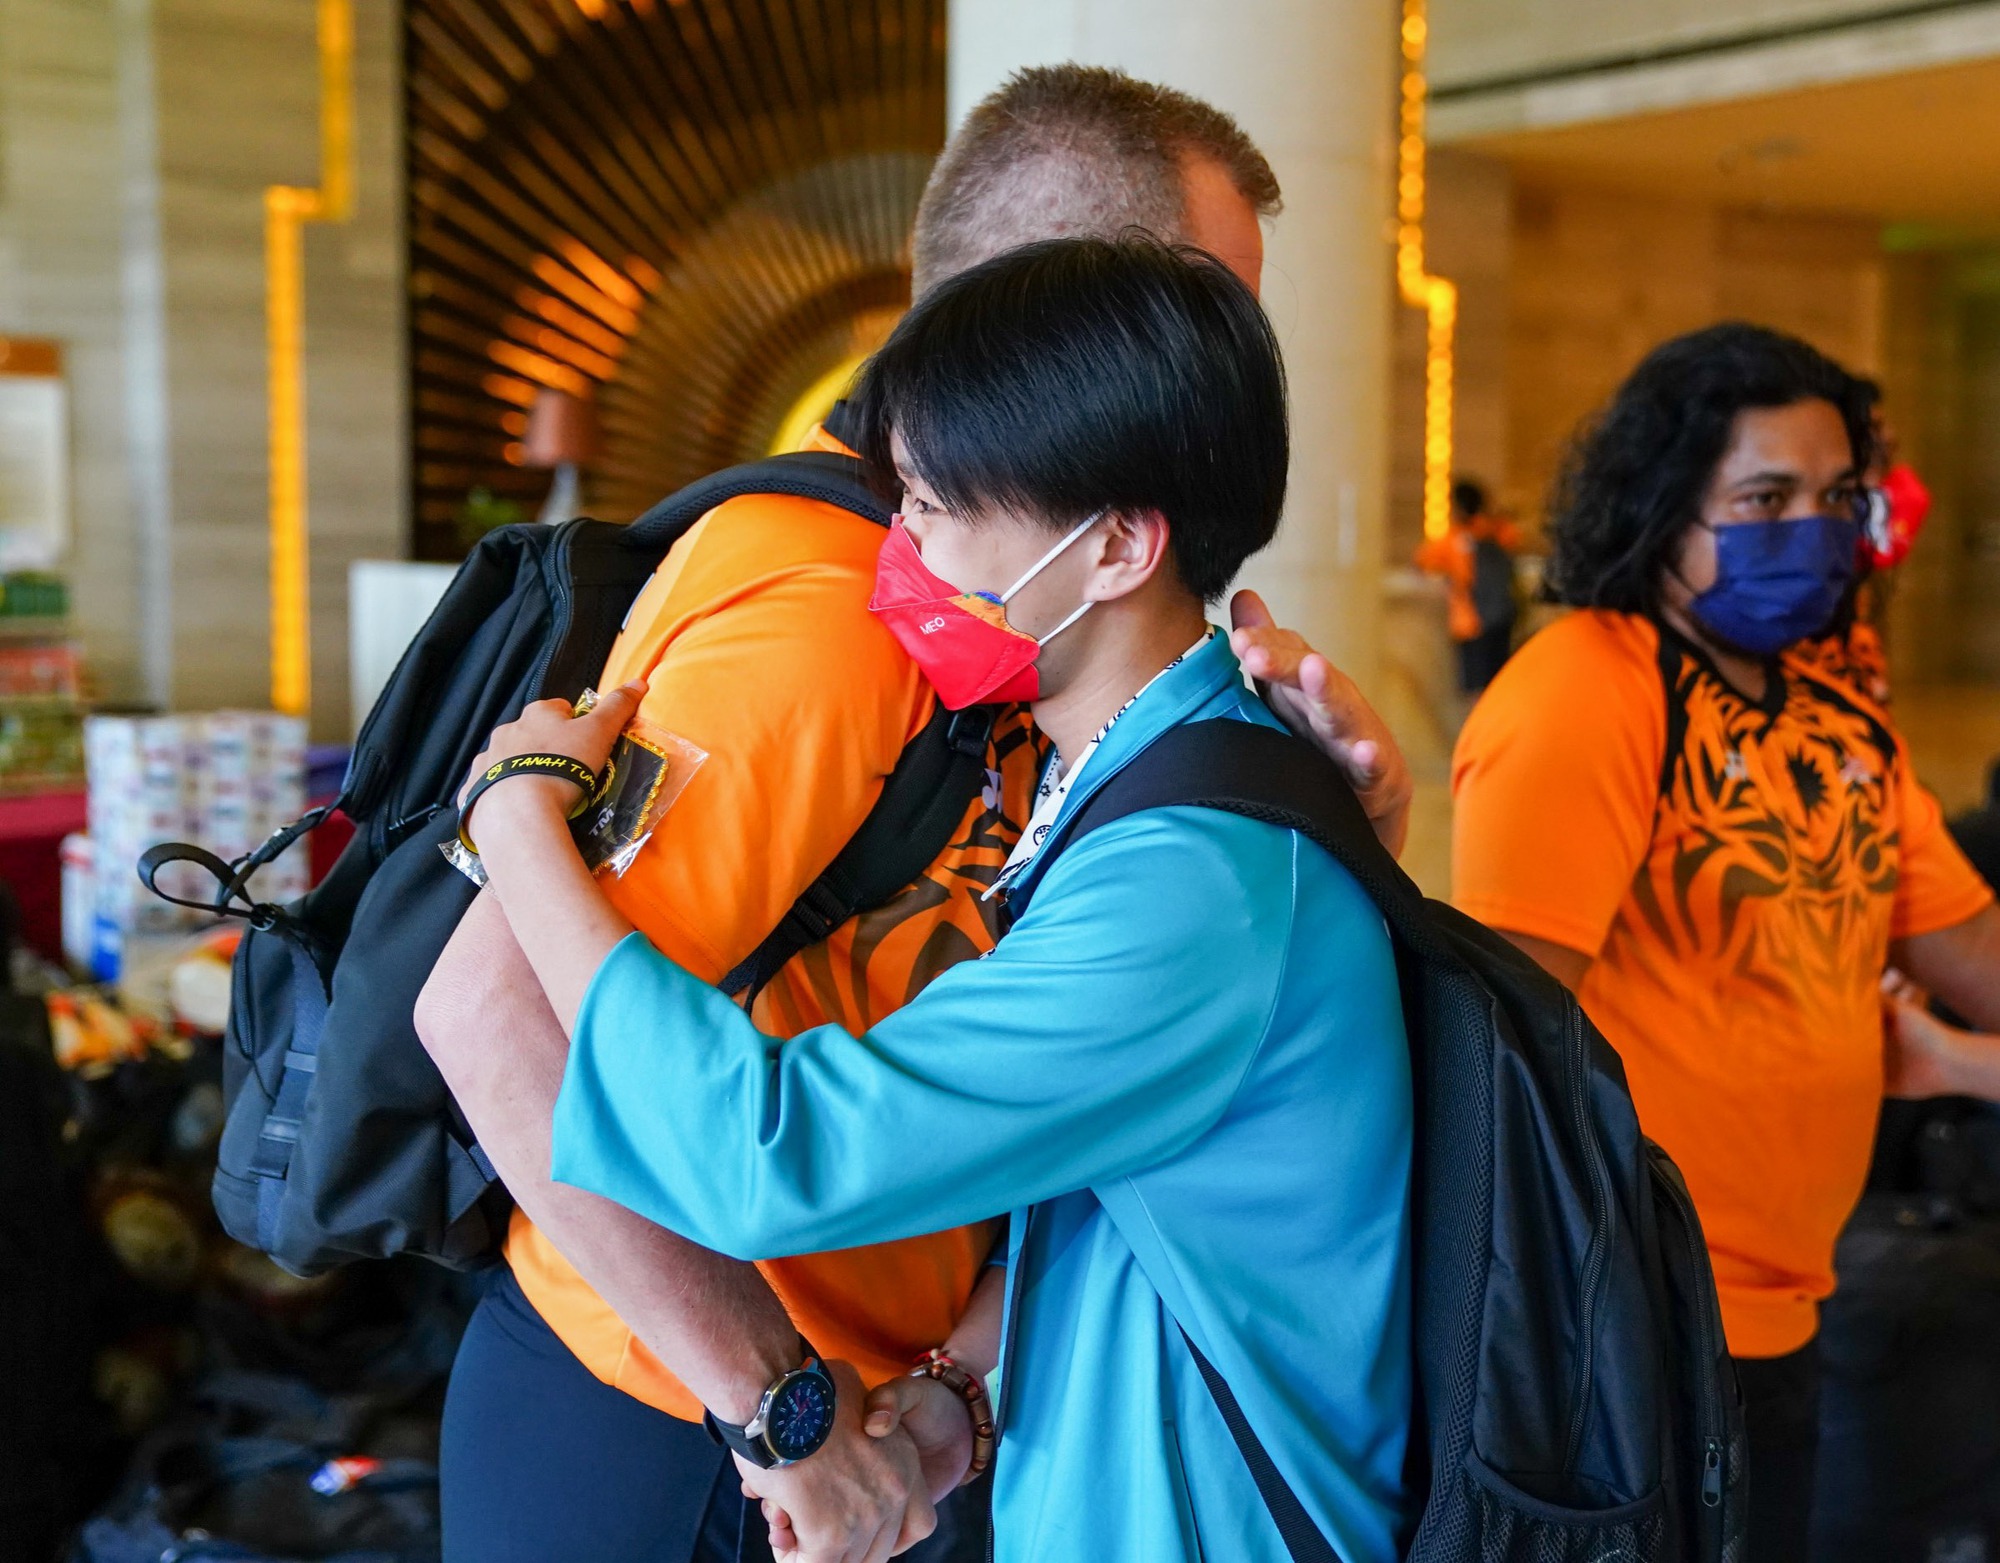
x=1953 y=733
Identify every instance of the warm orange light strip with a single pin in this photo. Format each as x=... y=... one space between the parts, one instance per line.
x=1437 y=297
x=287 y=208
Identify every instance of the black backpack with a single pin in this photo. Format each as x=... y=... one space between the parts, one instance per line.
x=341 y=1140
x=1493 y=585
x=1576 y=1400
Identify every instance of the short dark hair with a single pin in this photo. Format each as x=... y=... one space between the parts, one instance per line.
x=1074 y=150
x=1468 y=498
x=1634 y=478
x=1080 y=375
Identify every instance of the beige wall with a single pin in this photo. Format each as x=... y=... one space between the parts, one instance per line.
x=1599 y=279
x=138 y=136
x=1564 y=289
x=1967 y=553
x=60 y=230
x=216 y=147
x=1477 y=40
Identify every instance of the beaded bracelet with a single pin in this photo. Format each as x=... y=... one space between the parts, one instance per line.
x=936 y=1364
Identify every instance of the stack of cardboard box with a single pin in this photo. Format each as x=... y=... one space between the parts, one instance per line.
x=225 y=781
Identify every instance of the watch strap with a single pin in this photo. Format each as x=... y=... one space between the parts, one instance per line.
x=737 y=1441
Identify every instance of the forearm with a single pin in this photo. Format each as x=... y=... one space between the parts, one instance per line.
x=558 y=916
x=975 y=1340
x=1972 y=1067
x=1960 y=965
x=714 y=1321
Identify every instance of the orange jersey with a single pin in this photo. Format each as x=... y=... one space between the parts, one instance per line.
x=1856 y=657
x=759 y=649
x=1737 y=872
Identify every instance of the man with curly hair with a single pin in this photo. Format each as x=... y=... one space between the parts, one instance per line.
x=1720 y=844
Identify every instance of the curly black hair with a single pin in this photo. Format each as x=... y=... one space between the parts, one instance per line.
x=1635 y=476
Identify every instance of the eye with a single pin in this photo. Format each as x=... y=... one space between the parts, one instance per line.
x=1762 y=501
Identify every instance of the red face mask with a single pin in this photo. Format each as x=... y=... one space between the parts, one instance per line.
x=962 y=640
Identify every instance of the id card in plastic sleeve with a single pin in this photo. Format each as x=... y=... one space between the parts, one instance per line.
x=649 y=768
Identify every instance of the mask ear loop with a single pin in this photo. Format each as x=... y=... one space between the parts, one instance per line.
x=1081 y=609
x=1050 y=558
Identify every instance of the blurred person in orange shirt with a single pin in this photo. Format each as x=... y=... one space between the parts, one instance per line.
x=1674 y=804
x=1476 y=559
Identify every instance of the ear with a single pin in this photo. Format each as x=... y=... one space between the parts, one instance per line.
x=1131 y=550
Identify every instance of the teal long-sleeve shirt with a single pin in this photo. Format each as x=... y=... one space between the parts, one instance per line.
x=1184 y=1071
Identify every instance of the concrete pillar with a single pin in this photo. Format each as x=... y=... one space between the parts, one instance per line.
x=1313 y=81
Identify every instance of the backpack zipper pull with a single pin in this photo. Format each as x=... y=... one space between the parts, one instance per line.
x=1711 y=1474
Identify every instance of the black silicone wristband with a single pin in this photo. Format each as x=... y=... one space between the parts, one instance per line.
x=528 y=765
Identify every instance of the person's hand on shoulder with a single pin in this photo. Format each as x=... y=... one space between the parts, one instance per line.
x=1324 y=706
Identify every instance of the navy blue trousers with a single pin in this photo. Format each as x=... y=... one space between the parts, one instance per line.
x=542 y=1462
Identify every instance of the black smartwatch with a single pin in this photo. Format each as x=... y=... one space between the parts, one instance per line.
x=793 y=1419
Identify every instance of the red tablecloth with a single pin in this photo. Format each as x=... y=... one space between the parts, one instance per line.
x=31 y=832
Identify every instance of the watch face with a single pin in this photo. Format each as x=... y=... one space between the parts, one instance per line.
x=800 y=1415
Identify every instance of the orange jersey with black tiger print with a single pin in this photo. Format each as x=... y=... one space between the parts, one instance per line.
x=759 y=649
x=1737 y=872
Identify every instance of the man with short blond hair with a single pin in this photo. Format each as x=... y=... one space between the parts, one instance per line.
x=573 y=1425
x=1078 y=149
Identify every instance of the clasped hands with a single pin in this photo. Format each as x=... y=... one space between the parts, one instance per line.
x=871 y=1490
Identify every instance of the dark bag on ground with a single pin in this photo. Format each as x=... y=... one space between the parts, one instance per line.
x=1909 y=1459
x=53 y=1431
x=341 y=1140
x=1576 y=1402
x=264 y=1469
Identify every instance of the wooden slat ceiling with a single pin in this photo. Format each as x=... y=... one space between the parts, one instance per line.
x=688 y=210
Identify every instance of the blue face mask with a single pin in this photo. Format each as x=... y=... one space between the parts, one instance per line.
x=1778 y=582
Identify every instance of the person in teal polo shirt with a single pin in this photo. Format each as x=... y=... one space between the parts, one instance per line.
x=1184 y=1070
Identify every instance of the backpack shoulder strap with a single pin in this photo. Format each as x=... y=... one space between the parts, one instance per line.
x=1302 y=1538
x=826 y=476
x=925 y=796
x=1260 y=773
x=921 y=805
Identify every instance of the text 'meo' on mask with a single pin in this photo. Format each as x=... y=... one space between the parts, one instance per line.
x=1778 y=582
x=962 y=640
